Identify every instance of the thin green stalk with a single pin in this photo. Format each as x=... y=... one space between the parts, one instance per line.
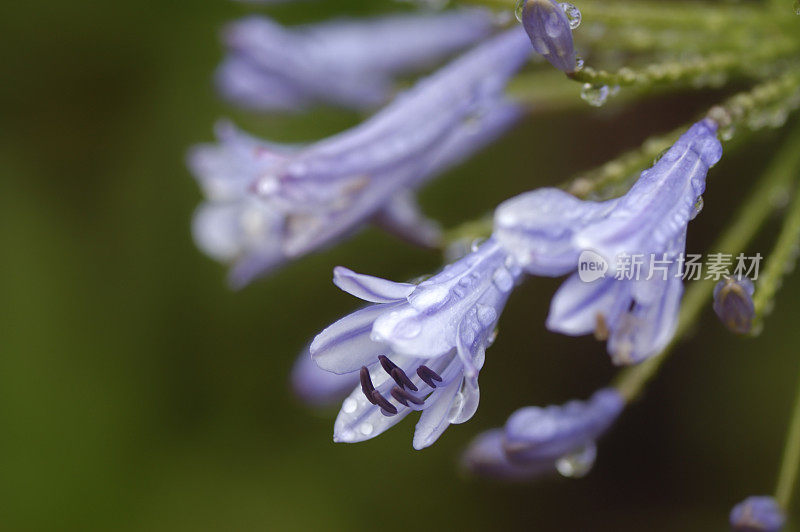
x=780 y=261
x=775 y=183
x=693 y=69
x=787 y=478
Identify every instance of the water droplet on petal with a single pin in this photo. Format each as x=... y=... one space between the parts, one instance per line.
x=698 y=207
x=492 y=337
x=456 y=407
x=596 y=95
x=518 y=9
x=476 y=244
x=577 y=464
x=503 y=280
x=573 y=14
x=486 y=315
x=366 y=429
x=349 y=406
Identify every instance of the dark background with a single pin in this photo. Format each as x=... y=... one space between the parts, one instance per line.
x=138 y=392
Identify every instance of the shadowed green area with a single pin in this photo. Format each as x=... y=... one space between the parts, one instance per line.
x=138 y=393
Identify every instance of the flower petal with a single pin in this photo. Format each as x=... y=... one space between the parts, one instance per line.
x=579 y=307
x=345 y=346
x=436 y=418
x=369 y=288
x=538 y=228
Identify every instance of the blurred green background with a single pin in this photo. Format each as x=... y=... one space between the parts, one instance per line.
x=138 y=393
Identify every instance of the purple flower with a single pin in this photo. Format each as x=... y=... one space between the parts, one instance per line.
x=352 y=63
x=486 y=457
x=270 y=203
x=418 y=347
x=317 y=387
x=537 y=441
x=634 y=305
x=550 y=33
x=733 y=303
x=757 y=514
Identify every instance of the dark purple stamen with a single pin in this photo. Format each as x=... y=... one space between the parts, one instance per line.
x=387 y=408
x=387 y=364
x=366 y=384
x=402 y=379
x=428 y=375
x=404 y=397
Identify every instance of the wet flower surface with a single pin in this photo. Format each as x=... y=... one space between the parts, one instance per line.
x=418 y=347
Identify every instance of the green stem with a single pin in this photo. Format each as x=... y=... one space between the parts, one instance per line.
x=691 y=70
x=776 y=182
x=782 y=258
x=787 y=477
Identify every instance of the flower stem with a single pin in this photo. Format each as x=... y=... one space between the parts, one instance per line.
x=791 y=458
x=782 y=258
x=691 y=70
x=776 y=182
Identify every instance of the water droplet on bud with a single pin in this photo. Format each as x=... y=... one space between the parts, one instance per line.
x=698 y=207
x=573 y=14
x=518 y=9
x=577 y=464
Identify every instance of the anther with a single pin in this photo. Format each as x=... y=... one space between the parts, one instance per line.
x=404 y=397
x=387 y=408
x=387 y=364
x=366 y=384
x=402 y=379
x=428 y=376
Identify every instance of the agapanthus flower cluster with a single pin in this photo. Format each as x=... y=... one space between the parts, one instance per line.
x=420 y=346
x=269 y=203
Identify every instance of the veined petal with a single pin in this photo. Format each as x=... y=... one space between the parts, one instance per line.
x=369 y=288
x=647 y=329
x=579 y=307
x=657 y=209
x=538 y=227
x=345 y=346
x=436 y=418
x=359 y=420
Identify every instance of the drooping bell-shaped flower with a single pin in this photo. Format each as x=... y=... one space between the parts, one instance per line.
x=538 y=441
x=733 y=304
x=417 y=347
x=627 y=251
x=757 y=514
x=271 y=203
x=550 y=32
x=351 y=63
x=486 y=457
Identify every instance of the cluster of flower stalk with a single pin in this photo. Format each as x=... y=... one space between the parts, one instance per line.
x=420 y=347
